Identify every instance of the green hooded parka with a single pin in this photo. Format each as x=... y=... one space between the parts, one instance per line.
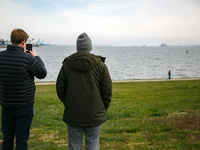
x=85 y=88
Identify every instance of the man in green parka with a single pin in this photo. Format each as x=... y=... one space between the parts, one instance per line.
x=85 y=88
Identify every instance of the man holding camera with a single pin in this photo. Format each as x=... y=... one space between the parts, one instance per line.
x=17 y=90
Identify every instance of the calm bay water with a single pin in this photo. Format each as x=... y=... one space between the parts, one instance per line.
x=130 y=62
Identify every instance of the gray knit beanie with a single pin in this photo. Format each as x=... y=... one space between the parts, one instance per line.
x=84 y=43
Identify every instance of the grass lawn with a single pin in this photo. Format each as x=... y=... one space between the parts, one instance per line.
x=142 y=115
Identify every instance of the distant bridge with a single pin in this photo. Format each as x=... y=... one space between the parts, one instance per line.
x=188 y=44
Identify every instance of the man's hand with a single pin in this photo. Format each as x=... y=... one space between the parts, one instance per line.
x=32 y=52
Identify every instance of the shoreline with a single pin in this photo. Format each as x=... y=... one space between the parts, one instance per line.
x=132 y=80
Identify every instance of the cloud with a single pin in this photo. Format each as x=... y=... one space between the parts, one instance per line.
x=61 y=21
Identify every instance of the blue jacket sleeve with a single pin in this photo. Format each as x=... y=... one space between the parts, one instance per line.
x=37 y=67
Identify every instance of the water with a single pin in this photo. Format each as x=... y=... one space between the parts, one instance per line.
x=130 y=62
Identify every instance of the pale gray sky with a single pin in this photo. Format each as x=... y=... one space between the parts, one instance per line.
x=107 y=22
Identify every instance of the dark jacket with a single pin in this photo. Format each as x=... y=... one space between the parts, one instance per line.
x=85 y=87
x=17 y=71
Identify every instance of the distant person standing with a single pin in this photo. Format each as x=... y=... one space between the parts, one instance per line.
x=17 y=90
x=85 y=88
x=169 y=73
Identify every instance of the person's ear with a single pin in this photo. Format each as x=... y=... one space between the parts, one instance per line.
x=23 y=43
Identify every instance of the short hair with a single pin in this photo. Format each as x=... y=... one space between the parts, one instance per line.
x=18 y=35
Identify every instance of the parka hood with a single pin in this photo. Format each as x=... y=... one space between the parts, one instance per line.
x=83 y=61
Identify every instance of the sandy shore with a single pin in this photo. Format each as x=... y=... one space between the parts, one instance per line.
x=145 y=80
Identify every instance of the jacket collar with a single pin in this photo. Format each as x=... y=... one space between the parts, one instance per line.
x=15 y=48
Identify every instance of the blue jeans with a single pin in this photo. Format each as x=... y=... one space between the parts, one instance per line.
x=16 y=122
x=75 y=137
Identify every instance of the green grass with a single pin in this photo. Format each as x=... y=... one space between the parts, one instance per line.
x=142 y=115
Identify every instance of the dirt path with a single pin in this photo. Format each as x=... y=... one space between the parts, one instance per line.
x=146 y=80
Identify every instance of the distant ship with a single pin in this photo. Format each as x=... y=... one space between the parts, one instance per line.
x=163 y=45
x=43 y=43
x=33 y=42
x=38 y=43
x=3 y=43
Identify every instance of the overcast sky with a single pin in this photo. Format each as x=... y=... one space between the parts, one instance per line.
x=107 y=22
